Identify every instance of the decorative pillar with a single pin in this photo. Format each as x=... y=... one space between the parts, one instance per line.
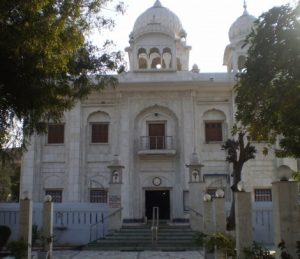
x=219 y=211
x=286 y=214
x=25 y=221
x=114 y=194
x=219 y=217
x=196 y=190
x=48 y=225
x=243 y=219
x=208 y=222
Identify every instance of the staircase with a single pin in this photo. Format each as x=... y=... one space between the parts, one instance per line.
x=139 y=238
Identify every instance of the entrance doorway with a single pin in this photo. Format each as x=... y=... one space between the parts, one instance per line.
x=158 y=198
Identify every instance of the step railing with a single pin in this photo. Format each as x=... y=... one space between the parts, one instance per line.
x=96 y=225
x=155 y=222
x=197 y=213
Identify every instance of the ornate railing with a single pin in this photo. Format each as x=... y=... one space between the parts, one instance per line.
x=156 y=143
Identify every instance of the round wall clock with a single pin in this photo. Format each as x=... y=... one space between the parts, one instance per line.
x=156 y=181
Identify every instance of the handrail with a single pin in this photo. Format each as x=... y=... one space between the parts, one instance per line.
x=196 y=212
x=155 y=222
x=102 y=222
x=156 y=142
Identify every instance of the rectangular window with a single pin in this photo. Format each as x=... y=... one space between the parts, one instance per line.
x=55 y=194
x=263 y=194
x=56 y=133
x=100 y=133
x=213 y=131
x=98 y=196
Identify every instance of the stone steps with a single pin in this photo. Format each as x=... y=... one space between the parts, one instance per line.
x=139 y=238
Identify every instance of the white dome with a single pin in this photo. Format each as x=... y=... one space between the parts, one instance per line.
x=158 y=19
x=242 y=27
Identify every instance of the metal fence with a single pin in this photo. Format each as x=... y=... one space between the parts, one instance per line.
x=71 y=221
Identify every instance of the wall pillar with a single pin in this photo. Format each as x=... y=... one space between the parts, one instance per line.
x=208 y=222
x=243 y=219
x=196 y=191
x=286 y=213
x=48 y=224
x=219 y=214
x=219 y=217
x=114 y=194
x=25 y=223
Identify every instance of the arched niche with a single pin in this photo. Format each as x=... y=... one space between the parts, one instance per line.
x=98 y=116
x=98 y=182
x=166 y=58
x=179 y=65
x=214 y=115
x=156 y=115
x=142 y=58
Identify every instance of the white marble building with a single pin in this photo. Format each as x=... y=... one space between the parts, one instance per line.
x=151 y=123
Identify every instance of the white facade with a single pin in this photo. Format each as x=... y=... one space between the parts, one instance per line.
x=158 y=89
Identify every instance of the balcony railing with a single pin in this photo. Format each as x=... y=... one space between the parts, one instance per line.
x=154 y=144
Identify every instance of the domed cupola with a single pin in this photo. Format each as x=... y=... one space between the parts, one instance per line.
x=242 y=27
x=158 y=41
x=236 y=52
x=158 y=19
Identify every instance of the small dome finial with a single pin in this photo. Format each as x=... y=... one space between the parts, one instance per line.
x=157 y=4
x=245 y=8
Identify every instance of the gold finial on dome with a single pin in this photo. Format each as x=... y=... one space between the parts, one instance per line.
x=157 y=4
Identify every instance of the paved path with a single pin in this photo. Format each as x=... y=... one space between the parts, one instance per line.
x=125 y=255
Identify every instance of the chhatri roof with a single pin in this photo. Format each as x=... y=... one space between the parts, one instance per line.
x=241 y=28
x=158 y=19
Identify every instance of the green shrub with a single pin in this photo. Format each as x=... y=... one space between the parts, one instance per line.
x=200 y=239
x=18 y=248
x=256 y=251
x=222 y=242
x=4 y=235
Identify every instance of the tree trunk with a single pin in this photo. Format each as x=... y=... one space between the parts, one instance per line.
x=231 y=218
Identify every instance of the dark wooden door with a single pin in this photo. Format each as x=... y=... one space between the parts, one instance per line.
x=157 y=135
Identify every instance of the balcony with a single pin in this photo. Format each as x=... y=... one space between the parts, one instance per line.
x=156 y=145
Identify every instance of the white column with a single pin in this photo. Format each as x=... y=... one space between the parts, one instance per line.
x=243 y=219
x=286 y=214
x=72 y=144
x=48 y=224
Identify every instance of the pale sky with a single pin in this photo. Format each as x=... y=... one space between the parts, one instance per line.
x=206 y=22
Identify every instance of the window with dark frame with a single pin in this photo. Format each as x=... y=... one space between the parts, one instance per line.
x=55 y=194
x=98 y=196
x=56 y=133
x=213 y=131
x=263 y=194
x=99 y=133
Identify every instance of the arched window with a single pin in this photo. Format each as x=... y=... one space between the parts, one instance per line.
x=179 y=66
x=155 y=58
x=167 y=58
x=142 y=58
